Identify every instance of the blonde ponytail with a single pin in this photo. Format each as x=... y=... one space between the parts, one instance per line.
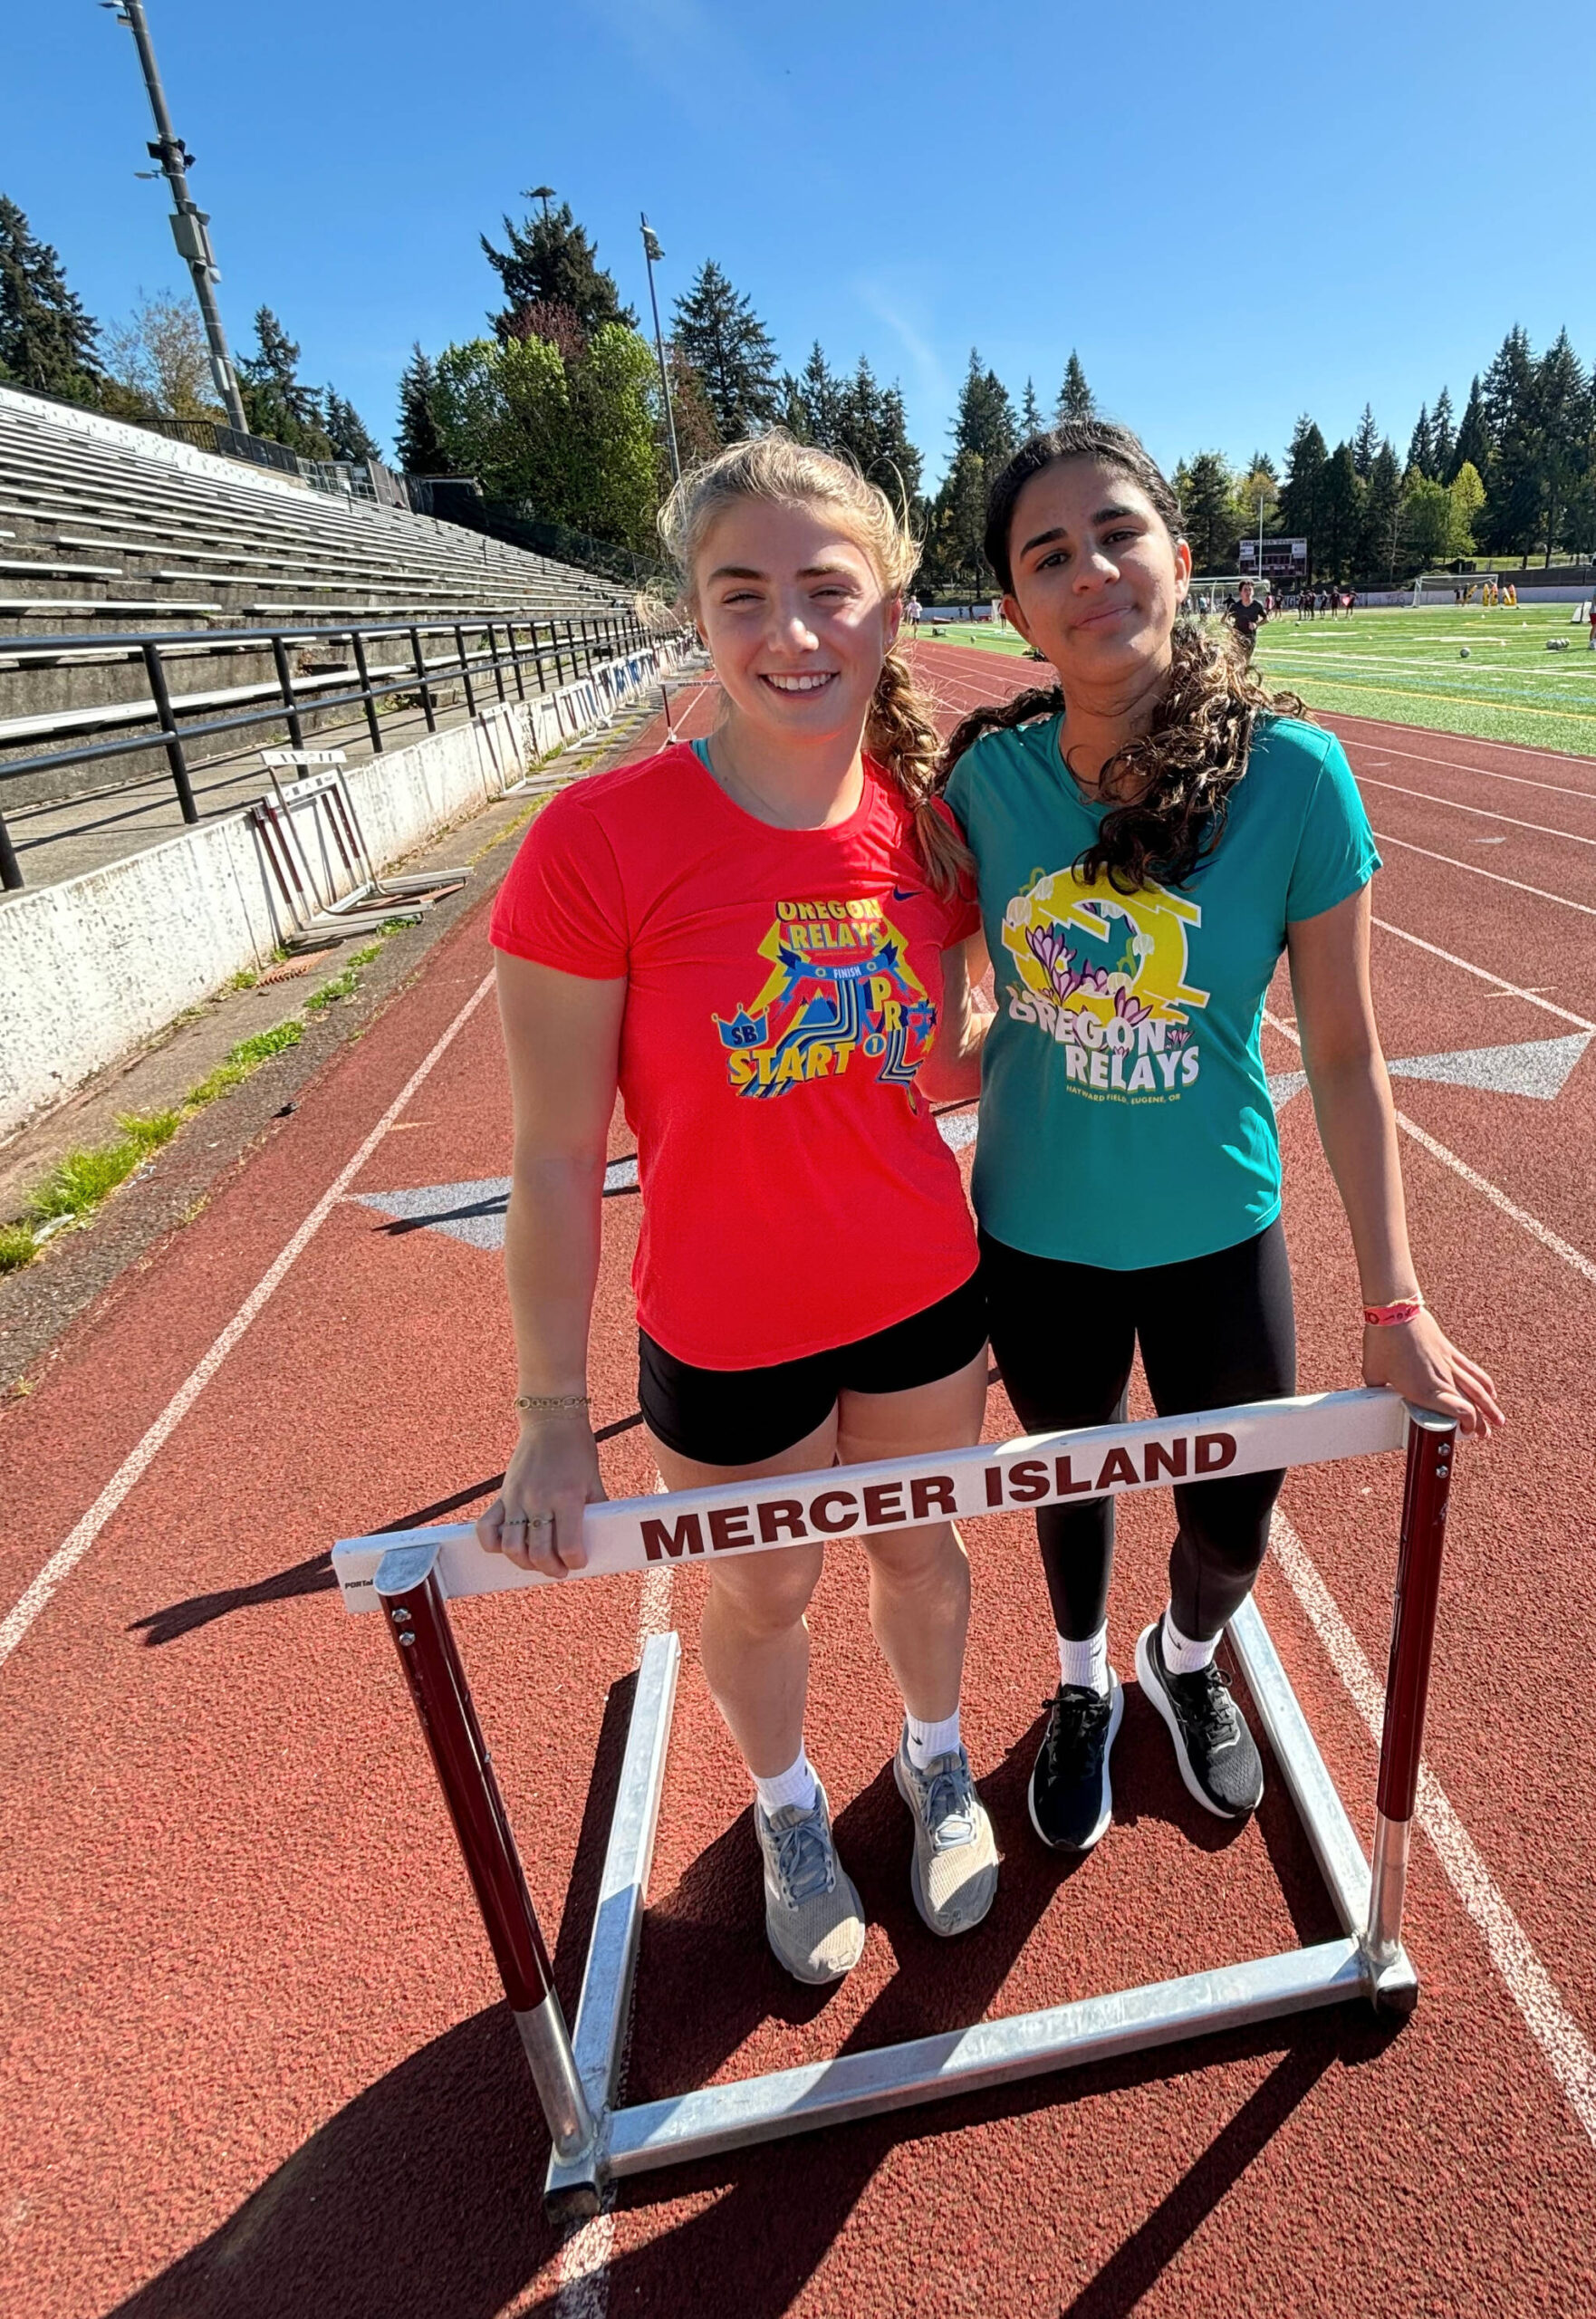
x=899 y=735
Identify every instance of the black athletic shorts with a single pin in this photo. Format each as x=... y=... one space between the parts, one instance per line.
x=739 y=1417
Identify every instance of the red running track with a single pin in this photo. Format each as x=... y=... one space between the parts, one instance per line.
x=256 y=2062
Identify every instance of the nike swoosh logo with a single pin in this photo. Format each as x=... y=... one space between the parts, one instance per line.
x=905 y=893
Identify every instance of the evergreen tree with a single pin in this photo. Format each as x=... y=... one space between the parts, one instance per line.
x=1380 y=523
x=1443 y=438
x=420 y=447
x=954 y=561
x=347 y=431
x=721 y=337
x=812 y=403
x=1208 y=513
x=873 y=431
x=276 y=402
x=550 y=260
x=46 y=340
x=986 y=420
x=1030 y=411
x=1513 y=483
x=1075 y=400
x=1341 y=506
x=1564 y=418
x=1366 y=444
x=1472 y=442
x=697 y=437
x=1306 y=459
x=1421 y=448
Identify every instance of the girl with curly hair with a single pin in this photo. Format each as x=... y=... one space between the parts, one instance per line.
x=1151 y=832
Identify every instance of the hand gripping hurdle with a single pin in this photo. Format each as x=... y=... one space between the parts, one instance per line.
x=411 y=1576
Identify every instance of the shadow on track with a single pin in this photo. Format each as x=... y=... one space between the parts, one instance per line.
x=315 y=1576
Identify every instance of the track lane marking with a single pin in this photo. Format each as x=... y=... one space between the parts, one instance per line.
x=1471 y=741
x=1473 y=869
x=1520 y=1215
x=1510 y=989
x=1455 y=805
x=1564 y=2045
x=78 y=1541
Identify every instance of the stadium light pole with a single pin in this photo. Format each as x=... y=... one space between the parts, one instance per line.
x=651 y=250
x=189 y=222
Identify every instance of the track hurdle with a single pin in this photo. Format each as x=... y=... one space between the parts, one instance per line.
x=411 y=1576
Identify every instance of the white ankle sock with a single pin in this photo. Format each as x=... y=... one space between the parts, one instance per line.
x=1085 y=1665
x=927 y=1741
x=795 y=1786
x=1181 y=1657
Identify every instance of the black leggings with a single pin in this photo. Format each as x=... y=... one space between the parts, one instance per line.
x=1214 y=1330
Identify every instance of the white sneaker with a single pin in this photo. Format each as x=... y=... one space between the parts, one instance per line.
x=813 y=1913
x=953 y=1875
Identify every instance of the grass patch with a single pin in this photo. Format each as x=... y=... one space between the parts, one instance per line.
x=241 y=1062
x=17 y=1246
x=77 y=1185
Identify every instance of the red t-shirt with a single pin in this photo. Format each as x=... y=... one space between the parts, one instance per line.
x=783 y=988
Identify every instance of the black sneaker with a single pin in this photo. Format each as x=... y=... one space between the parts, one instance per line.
x=1218 y=1756
x=1070 y=1799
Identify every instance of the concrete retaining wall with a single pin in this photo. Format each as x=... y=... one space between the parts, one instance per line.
x=91 y=966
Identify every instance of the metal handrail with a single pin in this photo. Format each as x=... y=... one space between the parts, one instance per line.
x=570 y=644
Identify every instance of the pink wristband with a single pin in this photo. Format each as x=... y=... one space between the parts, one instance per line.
x=1393 y=1316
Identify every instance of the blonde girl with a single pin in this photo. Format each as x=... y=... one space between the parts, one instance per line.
x=746 y=937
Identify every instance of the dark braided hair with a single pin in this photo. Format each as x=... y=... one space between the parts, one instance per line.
x=1171 y=787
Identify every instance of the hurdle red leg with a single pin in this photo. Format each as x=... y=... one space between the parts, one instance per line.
x=407 y=1586
x=1432 y=1441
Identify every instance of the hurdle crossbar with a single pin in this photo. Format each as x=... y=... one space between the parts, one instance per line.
x=412 y=1575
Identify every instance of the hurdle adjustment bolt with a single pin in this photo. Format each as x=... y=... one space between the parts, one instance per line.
x=405 y=1639
x=401 y=1617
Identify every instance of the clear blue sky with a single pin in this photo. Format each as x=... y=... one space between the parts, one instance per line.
x=1234 y=214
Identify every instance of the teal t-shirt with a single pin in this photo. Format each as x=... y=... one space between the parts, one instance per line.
x=1125 y=1111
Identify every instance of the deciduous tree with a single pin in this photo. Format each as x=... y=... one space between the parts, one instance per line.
x=159 y=359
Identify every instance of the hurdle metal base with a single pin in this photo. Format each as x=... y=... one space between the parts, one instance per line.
x=683 y=2127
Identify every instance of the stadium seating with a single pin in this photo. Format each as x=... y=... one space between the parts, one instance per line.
x=113 y=531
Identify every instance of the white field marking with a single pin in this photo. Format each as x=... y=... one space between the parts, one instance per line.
x=1505 y=989
x=79 y=1540
x=1455 y=805
x=1520 y=1215
x=1495 y=876
x=1563 y=2044
x=586 y=2253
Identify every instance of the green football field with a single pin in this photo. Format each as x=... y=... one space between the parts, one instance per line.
x=1409 y=667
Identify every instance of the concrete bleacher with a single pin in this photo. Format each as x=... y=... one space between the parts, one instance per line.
x=129 y=532
x=107 y=530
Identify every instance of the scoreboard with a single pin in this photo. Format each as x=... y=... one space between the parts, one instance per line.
x=1283 y=559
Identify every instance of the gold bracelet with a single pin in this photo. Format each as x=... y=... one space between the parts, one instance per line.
x=552 y=1401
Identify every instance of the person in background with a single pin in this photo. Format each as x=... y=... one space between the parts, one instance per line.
x=1247 y=618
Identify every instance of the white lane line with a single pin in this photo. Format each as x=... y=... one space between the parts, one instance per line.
x=1455 y=805
x=1495 y=876
x=1505 y=987
x=1456 y=765
x=1521 y=1216
x=1562 y=2042
x=586 y=2253
x=76 y=1544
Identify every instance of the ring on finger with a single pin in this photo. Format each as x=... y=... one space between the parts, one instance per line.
x=539 y=1521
